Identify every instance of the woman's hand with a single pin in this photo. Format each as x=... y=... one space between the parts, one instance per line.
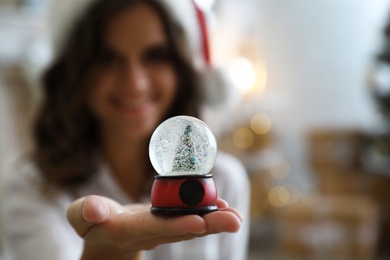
x=113 y=231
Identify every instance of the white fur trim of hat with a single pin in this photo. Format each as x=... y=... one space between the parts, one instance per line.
x=219 y=90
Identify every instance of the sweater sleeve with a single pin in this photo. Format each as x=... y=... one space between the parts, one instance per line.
x=233 y=186
x=34 y=215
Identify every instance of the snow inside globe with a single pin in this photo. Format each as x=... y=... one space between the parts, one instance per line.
x=182 y=145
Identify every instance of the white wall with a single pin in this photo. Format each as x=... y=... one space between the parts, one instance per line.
x=318 y=53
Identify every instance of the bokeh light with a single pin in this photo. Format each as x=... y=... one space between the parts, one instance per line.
x=261 y=77
x=243 y=74
x=261 y=123
x=243 y=138
x=279 y=169
x=279 y=196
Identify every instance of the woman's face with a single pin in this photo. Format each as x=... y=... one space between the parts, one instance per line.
x=136 y=81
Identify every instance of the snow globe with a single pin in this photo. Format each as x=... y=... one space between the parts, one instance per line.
x=182 y=150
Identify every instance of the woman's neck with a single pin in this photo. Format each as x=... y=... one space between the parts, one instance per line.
x=129 y=163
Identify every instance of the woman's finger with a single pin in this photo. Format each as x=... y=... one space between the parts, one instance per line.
x=234 y=211
x=175 y=229
x=86 y=212
x=222 y=203
x=144 y=224
x=224 y=220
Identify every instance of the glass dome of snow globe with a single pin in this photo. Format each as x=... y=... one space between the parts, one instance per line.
x=181 y=146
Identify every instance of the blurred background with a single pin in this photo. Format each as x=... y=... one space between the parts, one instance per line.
x=311 y=123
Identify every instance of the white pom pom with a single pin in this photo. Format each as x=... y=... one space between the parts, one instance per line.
x=219 y=90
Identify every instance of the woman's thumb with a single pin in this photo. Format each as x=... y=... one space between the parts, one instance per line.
x=86 y=212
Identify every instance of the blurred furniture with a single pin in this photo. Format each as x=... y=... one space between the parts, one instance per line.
x=335 y=227
x=338 y=159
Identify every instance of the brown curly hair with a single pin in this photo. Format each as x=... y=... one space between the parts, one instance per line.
x=65 y=131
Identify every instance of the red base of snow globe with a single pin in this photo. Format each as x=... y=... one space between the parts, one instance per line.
x=183 y=195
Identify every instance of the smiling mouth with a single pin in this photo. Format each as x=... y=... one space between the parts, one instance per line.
x=134 y=103
x=131 y=105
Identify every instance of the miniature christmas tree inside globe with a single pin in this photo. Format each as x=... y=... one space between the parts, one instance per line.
x=182 y=145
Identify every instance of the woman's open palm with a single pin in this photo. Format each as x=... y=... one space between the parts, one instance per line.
x=122 y=232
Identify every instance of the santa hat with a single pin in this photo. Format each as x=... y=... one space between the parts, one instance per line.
x=219 y=90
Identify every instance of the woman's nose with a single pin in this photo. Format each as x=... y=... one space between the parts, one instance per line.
x=135 y=78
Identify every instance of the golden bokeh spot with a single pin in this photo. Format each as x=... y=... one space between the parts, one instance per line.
x=261 y=123
x=279 y=169
x=243 y=138
x=284 y=195
x=278 y=196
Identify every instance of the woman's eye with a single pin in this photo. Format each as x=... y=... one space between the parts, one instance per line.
x=158 y=55
x=109 y=58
